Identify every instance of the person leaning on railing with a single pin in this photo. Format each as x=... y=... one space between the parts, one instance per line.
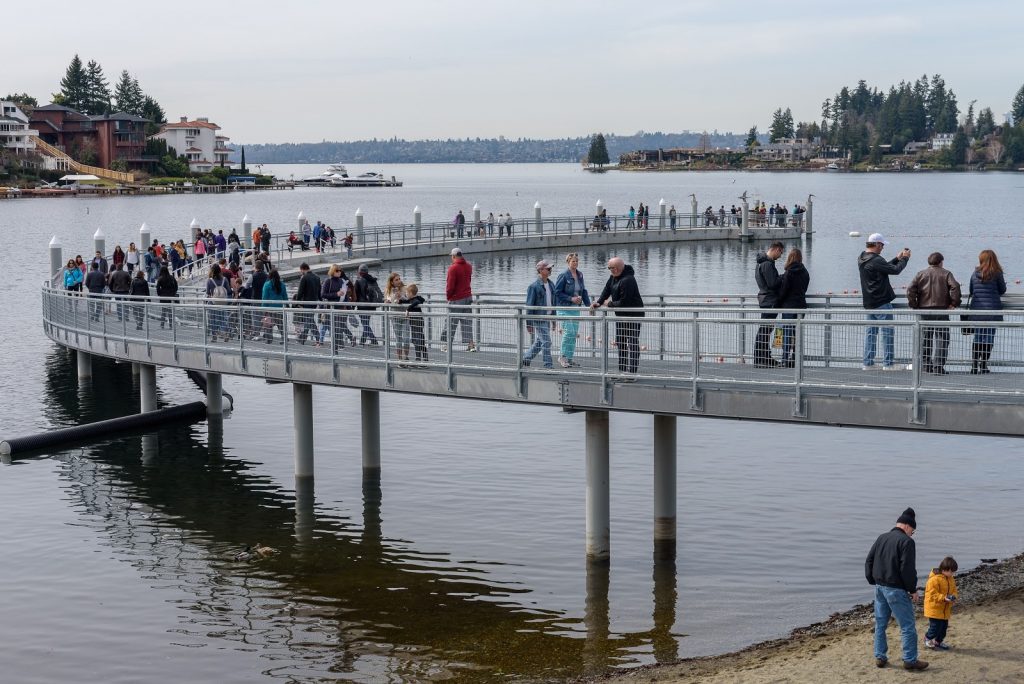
x=986 y=288
x=622 y=292
x=792 y=295
x=934 y=288
x=877 y=295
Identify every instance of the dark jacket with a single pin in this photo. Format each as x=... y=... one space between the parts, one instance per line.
x=140 y=288
x=793 y=289
x=166 y=286
x=362 y=285
x=309 y=288
x=330 y=291
x=768 y=282
x=984 y=295
x=95 y=281
x=892 y=561
x=933 y=288
x=622 y=292
x=537 y=299
x=259 y=279
x=874 y=278
x=565 y=289
x=414 y=304
x=120 y=282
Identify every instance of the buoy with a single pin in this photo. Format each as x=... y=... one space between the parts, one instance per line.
x=1016 y=282
x=721 y=359
x=854 y=233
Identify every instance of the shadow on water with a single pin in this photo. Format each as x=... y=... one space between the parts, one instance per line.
x=339 y=597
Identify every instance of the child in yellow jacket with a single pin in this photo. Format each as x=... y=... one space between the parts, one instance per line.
x=939 y=596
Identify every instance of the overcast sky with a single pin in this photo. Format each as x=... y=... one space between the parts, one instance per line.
x=301 y=71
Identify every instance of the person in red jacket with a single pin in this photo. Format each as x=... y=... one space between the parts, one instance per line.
x=459 y=293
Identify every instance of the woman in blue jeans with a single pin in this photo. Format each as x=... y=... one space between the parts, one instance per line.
x=987 y=288
x=570 y=294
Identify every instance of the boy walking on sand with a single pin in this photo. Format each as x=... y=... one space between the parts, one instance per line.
x=939 y=597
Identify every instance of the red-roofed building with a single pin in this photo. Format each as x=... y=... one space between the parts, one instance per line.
x=198 y=141
x=110 y=137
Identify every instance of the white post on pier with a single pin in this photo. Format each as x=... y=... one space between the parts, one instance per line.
x=664 y=486
x=145 y=241
x=744 y=217
x=247 y=232
x=370 y=401
x=193 y=229
x=302 y=412
x=99 y=241
x=809 y=217
x=301 y=218
x=56 y=258
x=600 y=225
x=214 y=394
x=537 y=222
x=664 y=213
x=360 y=236
x=147 y=387
x=476 y=217
x=598 y=507
x=694 y=220
x=417 y=221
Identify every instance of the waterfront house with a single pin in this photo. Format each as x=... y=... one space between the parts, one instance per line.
x=787 y=149
x=913 y=147
x=15 y=132
x=100 y=140
x=198 y=141
x=941 y=141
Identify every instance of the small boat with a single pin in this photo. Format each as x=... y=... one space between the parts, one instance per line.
x=832 y=166
x=333 y=172
x=365 y=180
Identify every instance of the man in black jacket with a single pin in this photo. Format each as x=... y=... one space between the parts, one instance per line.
x=878 y=295
x=95 y=281
x=768 y=284
x=120 y=282
x=367 y=293
x=891 y=568
x=256 y=282
x=309 y=293
x=622 y=292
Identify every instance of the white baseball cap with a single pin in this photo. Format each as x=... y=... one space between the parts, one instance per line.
x=878 y=237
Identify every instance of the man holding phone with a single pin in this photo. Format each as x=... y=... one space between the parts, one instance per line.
x=878 y=294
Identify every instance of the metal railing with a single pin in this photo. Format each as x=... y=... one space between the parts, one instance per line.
x=693 y=346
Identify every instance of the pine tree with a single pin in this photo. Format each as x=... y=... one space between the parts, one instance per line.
x=958 y=148
x=128 y=95
x=1017 y=109
x=752 y=137
x=97 y=90
x=986 y=123
x=598 y=151
x=73 y=85
x=244 y=170
x=782 y=125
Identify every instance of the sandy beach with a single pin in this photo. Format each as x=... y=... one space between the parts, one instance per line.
x=985 y=633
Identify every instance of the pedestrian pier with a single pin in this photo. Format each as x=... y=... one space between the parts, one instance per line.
x=695 y=358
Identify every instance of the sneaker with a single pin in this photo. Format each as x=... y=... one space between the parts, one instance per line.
x=929 y=643
x=916 y=665
x=897 y=367
x=870 y=367
x=881 y=662
x=942 y=646
x=471 y=347
x=564 y=362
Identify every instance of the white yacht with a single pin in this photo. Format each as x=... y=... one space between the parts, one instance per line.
x=333 y=173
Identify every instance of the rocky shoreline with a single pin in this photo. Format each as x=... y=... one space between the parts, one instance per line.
x=982 y=585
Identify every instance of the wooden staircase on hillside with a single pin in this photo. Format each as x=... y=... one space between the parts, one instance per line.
x=63 y=159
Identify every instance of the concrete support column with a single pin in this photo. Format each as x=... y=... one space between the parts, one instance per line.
x=664 y=486
x=147 y=387
x=360 y=235
x=56 y=258
x=664 y=213
x=145 y=241
x=745 y=219
x=476 y=216
x=370 y=401
x=136 y=369
x=598 y=508
x=809 y=216
x=214 y=394
x=84 y=365
x=99 y=241
x=247 y=232
x=417 y=222
x=694 y=216
x=537 y=222
x=302 y=411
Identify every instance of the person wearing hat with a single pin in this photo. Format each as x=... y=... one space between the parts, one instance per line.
x=878 y=294
x=458 y=290
x=891 y=567
x=540 y=301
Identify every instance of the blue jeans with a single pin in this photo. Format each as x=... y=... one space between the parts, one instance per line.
x=541 y=342
x=937 y=629
x=890 y=602
x=888 y=336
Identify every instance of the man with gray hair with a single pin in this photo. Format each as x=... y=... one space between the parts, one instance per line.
x=622 y=292
x=934 y=288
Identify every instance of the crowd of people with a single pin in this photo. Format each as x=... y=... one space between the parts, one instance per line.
x=934 y=289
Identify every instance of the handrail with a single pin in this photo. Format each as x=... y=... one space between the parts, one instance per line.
x=109 y=174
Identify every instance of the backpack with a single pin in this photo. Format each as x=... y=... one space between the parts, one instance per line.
x=220 y=290
x=373 y=293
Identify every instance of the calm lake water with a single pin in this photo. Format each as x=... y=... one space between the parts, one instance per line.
x=467 y=562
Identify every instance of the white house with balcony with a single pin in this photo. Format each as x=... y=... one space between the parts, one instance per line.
x=942 y=140
x=15 y=133
x=199 y=142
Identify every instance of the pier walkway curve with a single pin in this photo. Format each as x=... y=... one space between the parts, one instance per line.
x=694 y=356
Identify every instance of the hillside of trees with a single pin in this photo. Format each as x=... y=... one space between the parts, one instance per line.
x=473 y=150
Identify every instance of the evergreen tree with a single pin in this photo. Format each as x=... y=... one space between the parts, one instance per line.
x=969 y=119
x=986 y=123
x=598 y=151
x=782 y=125
x=73 y=87
x=1017 y=108
x=23 y=99
x=958 y=148
x=97 y=90
x=152 y=110
x=752 y=137
x=245 y=170
x=128 y=95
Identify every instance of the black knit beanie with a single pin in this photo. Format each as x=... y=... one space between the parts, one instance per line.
x=908 y=518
